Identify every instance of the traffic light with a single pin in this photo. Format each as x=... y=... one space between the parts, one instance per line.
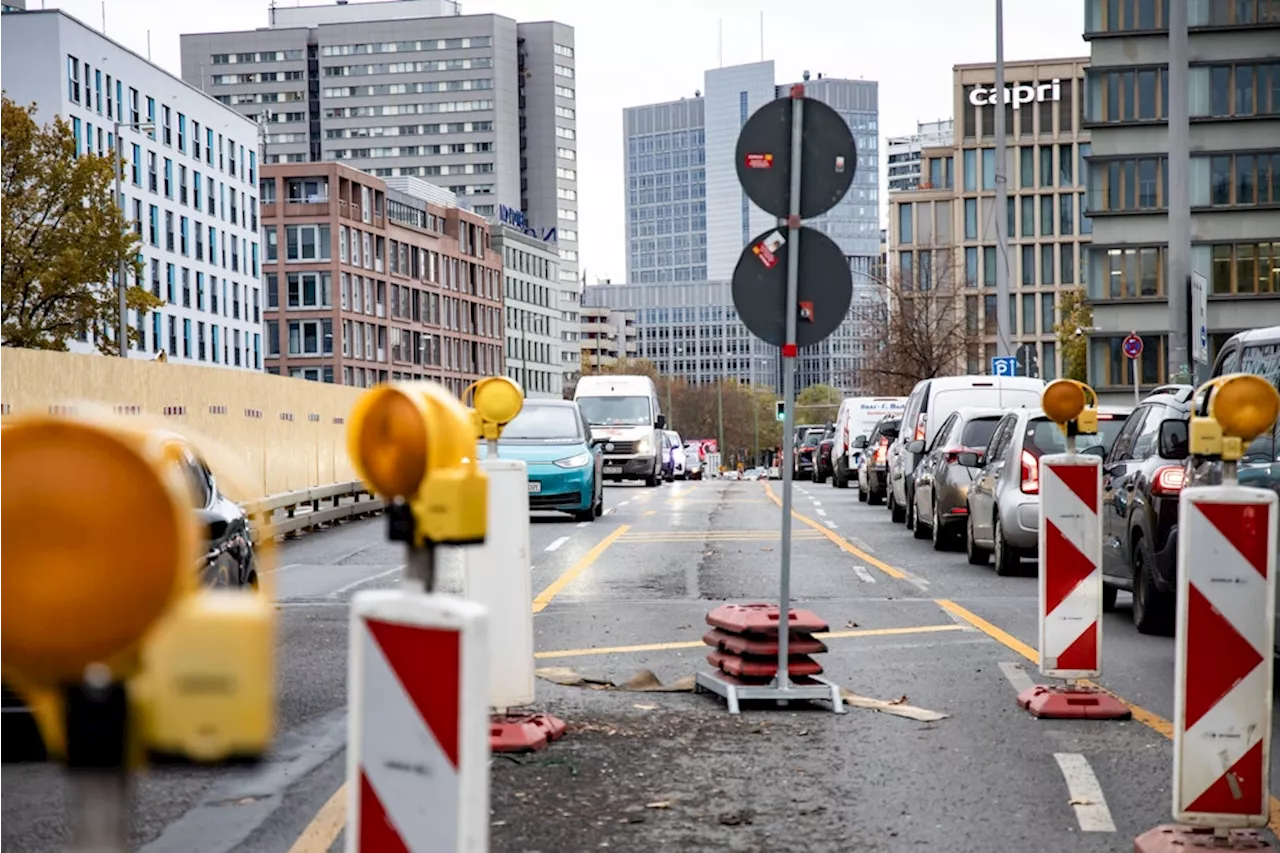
x=781 y=413
x=1066 y=402
x=1230 y=412
x=413 y=444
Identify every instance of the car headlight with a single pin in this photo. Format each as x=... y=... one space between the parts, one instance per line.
x=644 y=445
x=576 y=461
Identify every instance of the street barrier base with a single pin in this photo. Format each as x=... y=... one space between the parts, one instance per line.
x=800 y=689
x=742 y=644
x=523 y=732
x=763 y=619
x=1172 y=838
x=1055 y=702
x=753 y=668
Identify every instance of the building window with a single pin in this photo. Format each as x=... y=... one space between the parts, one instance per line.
x=1068 y=263
x=73 y=79
x=1028 y=266
x=1129 y=95
x=307 y=243
x=988 y=168
x=1242 y=179
x=1117 y=186
x=971 y=267
x=309 y=290
x=1240 y=89
x=905 y=212
x=167 y=125
x=989 y=266
x=1110 y=367
x=1126 y=272
x=971 y=219
x=970 y=170
x=1046 y=313
x=1231 y=13
x=1046 y=165
x=1026 y=166
x=1243 y=267
x=1046 y=263
x=311 y=337
x=1046 y=215
x=1066 y=214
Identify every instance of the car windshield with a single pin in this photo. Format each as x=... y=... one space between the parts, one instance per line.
x=1263 y=450
x=1044 y=436
x=616 y=411
x=544 y=423
x=813 y=436
x=977 y=432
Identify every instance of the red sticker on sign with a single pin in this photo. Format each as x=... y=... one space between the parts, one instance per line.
x=759 y=161
x=769 y=259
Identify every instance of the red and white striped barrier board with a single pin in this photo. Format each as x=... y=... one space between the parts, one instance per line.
x=1225 y=637
x=418 y=742
x=1070 y=566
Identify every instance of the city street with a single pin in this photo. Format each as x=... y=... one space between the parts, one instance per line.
x=674 y=771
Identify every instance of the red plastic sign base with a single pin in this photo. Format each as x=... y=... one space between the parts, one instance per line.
x=523 y=732
x=740 y=644
x=763 y=619
x=1072 y=703
x=762 y=668
x=1172 y=838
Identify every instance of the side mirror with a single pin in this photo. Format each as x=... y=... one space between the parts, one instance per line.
x=214 y=524
x=916 y=446
x=1096 y=450
x=1173 y=440
x=969 y=459
x=891 y=434
x=661 y=422
x=860 y=442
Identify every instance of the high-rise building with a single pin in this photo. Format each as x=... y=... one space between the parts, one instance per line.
x=688 y=218
x=948 y=228
x=190 y=181
x=533 y=311
x=367 y=284
x=690 y=330
x=478 y=104
x=1233 y=182
x=608 y=335
x=904 y=152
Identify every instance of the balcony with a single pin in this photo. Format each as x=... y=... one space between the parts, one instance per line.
x=311 y=207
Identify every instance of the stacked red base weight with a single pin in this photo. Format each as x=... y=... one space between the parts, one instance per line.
x=744 y=639
x=523 y=732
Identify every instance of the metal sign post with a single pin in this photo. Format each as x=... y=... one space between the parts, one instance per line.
x=1133 y=350
x=796 y=159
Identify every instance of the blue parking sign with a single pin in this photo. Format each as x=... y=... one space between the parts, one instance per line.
x=1006 y=365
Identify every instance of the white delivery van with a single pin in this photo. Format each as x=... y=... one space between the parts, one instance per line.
x=930 y=403
x=626 y=421
x=858 y=416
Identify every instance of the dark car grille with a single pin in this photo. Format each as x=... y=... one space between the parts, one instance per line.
x=620 y=447
x=549 y=501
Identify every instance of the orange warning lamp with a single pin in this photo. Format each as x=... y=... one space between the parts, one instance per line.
x=415 y=442
x=496 y=400
x=1237 y=409
x=78 y=587
x=1066 y=402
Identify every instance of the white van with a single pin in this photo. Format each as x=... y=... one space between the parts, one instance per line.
x=626 y=420
x=858 y=417
x=930 y=403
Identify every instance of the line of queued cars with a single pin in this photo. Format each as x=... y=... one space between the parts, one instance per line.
x=959 y=465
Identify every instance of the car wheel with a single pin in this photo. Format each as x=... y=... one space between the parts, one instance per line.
x=585 y=515
x=1007 y=559
x=862 y=494
x=598 y=509
x=919 y=529
x=1109 y=597
x=1152 y=610
x=977 y=555
x=874 y=498
x=897 y=513
x=941 y=537
x=651 y=481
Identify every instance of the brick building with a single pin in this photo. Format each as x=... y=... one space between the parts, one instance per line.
x=367 y=283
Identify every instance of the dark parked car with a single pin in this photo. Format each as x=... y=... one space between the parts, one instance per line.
x=1142 y=479
x=822 y=456
x=668 y=460
x=873 y=466
x=228 y=561
x=806 y=445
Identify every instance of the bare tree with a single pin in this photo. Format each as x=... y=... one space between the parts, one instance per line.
x=918 y=326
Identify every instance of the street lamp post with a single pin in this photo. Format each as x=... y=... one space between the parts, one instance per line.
x=122 y=278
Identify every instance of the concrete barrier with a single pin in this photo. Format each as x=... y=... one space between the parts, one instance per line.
x=290 y=431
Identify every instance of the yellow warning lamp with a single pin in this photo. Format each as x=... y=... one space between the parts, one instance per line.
x=1067 y=403
x=1233 y=410
x=413 y=442
x=495 y=403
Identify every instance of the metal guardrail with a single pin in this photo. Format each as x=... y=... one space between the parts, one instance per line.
x=301 y=511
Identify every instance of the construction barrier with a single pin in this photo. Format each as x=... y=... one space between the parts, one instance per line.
x=417 y=744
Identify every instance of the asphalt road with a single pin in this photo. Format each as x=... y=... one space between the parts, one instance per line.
x=674 y=771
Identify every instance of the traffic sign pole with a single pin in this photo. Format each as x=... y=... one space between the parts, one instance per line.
x=1133 y=351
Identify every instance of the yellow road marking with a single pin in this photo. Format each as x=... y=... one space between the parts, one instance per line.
x=325 y=826
x=544 y=598
x=1150 y=719
x=839 y=541
x=694 y=644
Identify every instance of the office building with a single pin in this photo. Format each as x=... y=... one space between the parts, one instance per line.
x=367 y=284
x=478 y=104
x=904 y=152
x=608 y=335
x=690 y=330
x=688 y=218
x=533 y=311
x=190 y=182
x=1233 y=183
x=947 y=228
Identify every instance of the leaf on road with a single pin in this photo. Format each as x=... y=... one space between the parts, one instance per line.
x=898 y=708
x=661 y=804
x=1079 y=801
x=643 y=681
x=645 y=707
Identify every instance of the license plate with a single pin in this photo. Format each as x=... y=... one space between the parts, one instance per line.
x=534 y=488
x=613 y=469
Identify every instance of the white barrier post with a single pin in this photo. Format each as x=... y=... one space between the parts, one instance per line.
x=417 y=749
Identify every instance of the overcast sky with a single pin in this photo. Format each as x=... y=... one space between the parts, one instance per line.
x=631 y=53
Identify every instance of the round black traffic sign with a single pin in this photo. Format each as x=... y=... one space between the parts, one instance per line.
x=829 y=158
x=824 y=289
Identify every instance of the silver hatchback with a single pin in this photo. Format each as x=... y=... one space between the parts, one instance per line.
x=1004 y=500
x=940 y=505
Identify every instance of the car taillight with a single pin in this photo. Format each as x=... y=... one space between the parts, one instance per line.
x=1168 y=480
x=882 y=450
x=1030 y=473
x=920 y=425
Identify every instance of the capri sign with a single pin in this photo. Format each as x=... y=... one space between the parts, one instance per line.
x=1022 y=93
x=518 y=220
